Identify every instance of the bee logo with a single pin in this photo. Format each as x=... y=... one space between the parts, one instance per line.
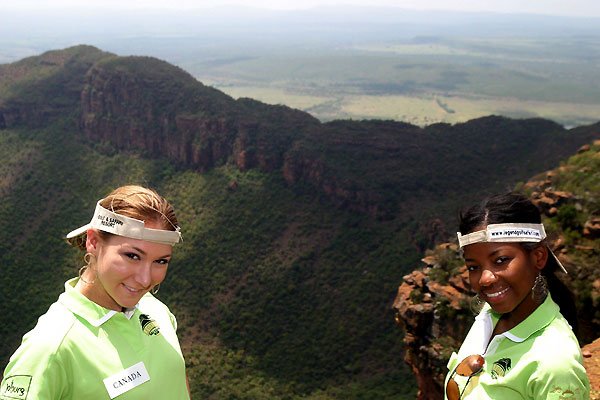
x=149 y=326
x=501 y=367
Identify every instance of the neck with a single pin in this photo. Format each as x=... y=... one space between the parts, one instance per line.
x=92 y=290
x=511 y=319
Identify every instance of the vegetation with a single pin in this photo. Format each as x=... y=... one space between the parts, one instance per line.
x=579 y=175
x=281 y=290
x=262 y=267
x=437 y=79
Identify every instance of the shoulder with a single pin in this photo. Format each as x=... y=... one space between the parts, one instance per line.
x=49 y=332
x=36 y=368
x=559 y=365
x=546 y=343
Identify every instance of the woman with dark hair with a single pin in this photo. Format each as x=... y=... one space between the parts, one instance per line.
x=521 y=345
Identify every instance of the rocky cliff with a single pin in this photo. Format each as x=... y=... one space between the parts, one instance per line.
x=147 y=106
x=433 y=302
x=144 y=104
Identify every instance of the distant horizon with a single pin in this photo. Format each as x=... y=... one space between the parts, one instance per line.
x=577 y=8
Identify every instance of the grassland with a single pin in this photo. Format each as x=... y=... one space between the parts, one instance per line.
x=421 y=109
x=421 y=81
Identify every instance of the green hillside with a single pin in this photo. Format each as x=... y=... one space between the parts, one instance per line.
x=284 y=282
x=271 y=283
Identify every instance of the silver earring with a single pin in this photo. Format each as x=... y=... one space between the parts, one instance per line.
x=88 y=258
x=476 y=304
x=155 y=289
x=539 y=291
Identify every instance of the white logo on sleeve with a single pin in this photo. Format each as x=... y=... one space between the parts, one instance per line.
x=126 y=380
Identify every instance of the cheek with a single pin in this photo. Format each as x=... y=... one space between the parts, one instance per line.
x=159 y=274
x=474 y=280
x=114 y=267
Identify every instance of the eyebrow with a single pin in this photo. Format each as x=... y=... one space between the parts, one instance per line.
x=493 y=253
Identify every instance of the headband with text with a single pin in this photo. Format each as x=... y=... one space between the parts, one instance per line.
x=117 y=224
x=515 y=232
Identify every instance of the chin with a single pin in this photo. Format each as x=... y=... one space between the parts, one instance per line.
x=129 y=302
x=502 y=308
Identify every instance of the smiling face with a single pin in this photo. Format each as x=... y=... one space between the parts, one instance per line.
x=503 y=275
x=125 y=269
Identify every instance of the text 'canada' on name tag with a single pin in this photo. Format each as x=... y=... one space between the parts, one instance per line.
x=126 y=380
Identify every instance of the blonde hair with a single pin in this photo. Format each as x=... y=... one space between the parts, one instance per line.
x=135 y=202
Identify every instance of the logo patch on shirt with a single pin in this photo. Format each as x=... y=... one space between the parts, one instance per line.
x=500 y=368
x=126 y=380
x=149 y=326
x=16 y=387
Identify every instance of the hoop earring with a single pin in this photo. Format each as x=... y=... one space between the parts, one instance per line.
x=476 y=304
x=539 y=291
x=88 y=258
x=155 y=289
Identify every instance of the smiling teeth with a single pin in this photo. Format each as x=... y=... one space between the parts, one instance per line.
x=492 y=295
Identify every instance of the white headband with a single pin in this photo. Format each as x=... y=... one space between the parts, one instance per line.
x=117 y=224
x=504 y=233
x=531 y=233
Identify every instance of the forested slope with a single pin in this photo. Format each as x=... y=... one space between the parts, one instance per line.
x=296 y=233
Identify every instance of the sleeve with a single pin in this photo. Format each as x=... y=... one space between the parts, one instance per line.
x=34 y=372
x=560 y=378
x=173 y=320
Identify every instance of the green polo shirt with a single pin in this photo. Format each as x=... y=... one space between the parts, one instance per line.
x=538 y=359
x=80 y=350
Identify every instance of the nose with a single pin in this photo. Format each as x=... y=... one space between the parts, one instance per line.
x=144 y=275
x=487 y=278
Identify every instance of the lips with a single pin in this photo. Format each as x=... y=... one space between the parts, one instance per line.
x=132 y=290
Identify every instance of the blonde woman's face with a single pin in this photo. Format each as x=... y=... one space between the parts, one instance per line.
x=125 y=269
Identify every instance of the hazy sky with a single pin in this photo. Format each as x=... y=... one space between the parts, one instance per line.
x=588 y=8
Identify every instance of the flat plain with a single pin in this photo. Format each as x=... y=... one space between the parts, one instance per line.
x=353 y=62
x=421 y=80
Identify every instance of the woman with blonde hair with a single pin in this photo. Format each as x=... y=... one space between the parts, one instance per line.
x=107 y=336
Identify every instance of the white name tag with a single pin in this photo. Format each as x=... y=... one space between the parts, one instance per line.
x=126 y=380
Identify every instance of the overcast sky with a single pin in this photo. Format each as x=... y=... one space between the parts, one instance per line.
x=586 y=8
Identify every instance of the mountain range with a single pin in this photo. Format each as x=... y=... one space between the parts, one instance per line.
x=296 y=232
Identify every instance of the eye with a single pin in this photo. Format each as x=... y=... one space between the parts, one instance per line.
x=133 y=256
x=501 y=260
x=162 y=261
x=472 y=268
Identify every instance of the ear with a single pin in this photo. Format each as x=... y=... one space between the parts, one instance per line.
x=539 y=257
x=92 y=240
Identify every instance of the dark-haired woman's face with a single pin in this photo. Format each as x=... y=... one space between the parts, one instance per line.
x=503 y=275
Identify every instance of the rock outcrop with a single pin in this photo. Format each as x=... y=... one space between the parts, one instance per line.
x=432 y=307
x=591 y=361
x=144 y=104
